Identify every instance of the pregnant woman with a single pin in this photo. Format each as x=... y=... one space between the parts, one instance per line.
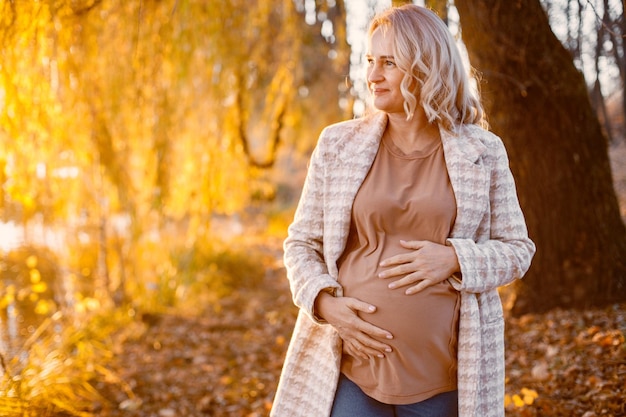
x=407 y=225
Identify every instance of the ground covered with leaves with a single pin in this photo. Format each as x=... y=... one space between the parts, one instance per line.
x=224 y=361
x=567 y=363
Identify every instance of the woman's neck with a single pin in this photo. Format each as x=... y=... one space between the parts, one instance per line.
x=411 y=135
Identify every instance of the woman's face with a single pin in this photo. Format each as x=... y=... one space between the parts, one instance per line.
x=383 y=76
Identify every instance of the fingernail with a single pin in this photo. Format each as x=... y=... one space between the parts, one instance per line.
x=388 y=350
x=380 y=355
x=371 y=308
x=392 y=286
x=389 y=336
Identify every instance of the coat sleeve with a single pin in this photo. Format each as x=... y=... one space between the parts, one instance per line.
x=304 y=246
x=507 y=252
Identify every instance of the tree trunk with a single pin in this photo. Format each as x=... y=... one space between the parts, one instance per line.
x=538 y=103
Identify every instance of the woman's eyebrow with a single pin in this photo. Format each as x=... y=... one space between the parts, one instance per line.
x=383 y=57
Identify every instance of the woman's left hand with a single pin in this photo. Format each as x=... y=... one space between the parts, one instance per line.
x=427 y=264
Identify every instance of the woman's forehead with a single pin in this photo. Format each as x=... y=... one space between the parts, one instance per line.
x=380 y=43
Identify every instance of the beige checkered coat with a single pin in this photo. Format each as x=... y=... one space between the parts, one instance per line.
x=489 y=236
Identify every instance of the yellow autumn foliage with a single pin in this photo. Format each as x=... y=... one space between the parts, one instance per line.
x=31 y=261
x=35 y=276
x=525 y=397
x=39 y=287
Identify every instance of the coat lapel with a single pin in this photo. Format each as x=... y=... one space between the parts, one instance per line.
x=469 y=179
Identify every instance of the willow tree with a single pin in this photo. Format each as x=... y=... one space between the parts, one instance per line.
x=538 y=103
x=156 y=113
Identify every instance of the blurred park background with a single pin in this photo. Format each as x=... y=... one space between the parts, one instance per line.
x=152 y=153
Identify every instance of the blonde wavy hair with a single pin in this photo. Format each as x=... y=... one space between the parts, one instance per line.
x=425 y=50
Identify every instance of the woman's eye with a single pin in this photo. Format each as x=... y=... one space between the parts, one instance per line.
x=390 y=63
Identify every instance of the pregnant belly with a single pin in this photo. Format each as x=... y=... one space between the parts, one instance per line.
x=424 y=328
x=408 y=317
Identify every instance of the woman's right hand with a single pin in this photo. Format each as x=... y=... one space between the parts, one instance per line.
x=360 y=338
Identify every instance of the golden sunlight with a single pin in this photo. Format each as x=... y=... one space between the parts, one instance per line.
x=10 y=236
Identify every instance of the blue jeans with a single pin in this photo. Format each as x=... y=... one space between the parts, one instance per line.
x=350 y=401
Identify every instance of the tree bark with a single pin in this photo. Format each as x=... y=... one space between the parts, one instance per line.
x=538 y=103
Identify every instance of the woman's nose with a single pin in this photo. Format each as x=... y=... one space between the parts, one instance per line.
x=374 y=74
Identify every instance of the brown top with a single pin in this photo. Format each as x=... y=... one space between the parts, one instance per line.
x=406 y=197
